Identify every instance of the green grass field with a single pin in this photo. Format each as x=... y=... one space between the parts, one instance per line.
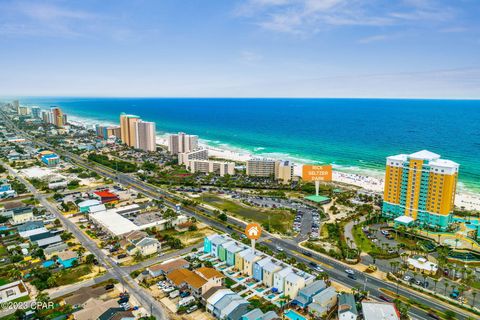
x=279 y=220
x=71 y=275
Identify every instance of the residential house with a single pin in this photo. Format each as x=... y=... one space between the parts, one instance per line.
x=235 y=309
x=373 y=310
x=305 y=295
x=323 y=302
x=214 y=298
x=257 y=314
x=226 y=305
x=347 y=308
x=216 y=243
x=231 y=252
x=28 y=228
x=222 y=249
x=249 y=261
x=67 y=259
x=146 y=246
x=54 y=249
x=268 y=271
x=258 y=268
x=239 y=259
x=214 y=278
x=45 y=239
x=293 y=283
x=117 y=314
x=210 y=292
x=22 y=215
x=166 y=267
x=12 y=291
x=279 y=278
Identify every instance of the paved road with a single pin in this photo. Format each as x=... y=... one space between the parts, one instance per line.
x=139 y=293
x=333 y=267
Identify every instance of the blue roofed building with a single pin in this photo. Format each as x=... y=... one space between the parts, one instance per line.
x=305 y=295
x=258 y=268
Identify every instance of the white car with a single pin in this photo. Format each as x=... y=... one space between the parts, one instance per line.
x=407 y=278
x=279 y=248
x=349 y=271
x=168 y=289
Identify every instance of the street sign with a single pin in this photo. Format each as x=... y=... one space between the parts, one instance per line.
x=317 y=173
x=253 y=231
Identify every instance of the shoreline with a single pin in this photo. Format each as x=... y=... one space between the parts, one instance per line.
x=370 y=180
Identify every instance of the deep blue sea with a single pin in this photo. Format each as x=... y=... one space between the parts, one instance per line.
x=353 y=134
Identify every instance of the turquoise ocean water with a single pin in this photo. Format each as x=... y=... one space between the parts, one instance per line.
x=353 y=134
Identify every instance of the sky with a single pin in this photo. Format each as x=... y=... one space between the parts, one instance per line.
x=241 y=48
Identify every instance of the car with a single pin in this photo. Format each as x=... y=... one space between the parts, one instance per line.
x=352 y=276
x=308 y=254
x=385 y=232
x=174 y=294
x=168 y=289
x=386 y=299
x=192 y=309
x=313 y=264
x=349 y=271
x=418 y=282
x=279 y=248
x=407 y=278
x=109 y=286
x=123 y=300
x=184 y=294
x=433 y=315
x=318 y=269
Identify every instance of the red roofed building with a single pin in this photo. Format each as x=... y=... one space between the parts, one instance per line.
x=106 y=196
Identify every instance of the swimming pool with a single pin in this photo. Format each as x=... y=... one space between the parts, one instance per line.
x=292 y=315
x=48 y=263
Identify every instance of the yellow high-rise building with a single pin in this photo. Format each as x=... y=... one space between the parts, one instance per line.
x=421 y=187
x=128 y=129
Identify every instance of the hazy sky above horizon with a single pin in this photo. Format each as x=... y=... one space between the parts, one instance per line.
x=241 y=48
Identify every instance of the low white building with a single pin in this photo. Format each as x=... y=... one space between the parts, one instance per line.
x=12 y=291
x=373 y=310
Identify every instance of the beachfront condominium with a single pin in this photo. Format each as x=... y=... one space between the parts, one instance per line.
x=58 y=118
x=199 y=154
x=421 y=187
x=145 y=136
x=106 y=132
x=36 y=112
x=128 y=128
x=54 y=116
x=277 y=169
x=182 y=143
x=210 y=166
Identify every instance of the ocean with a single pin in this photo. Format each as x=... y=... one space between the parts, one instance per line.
x=355 y=135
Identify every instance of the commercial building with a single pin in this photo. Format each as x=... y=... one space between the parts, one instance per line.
x=182 y=143
x=36 y=112
x=284 y=171
x=12 y=291
x=422 y=187
x=50 y=160
x=210 y=166
x=128 y=128
x=184 y=158
x=54 y=116
x=145 y=136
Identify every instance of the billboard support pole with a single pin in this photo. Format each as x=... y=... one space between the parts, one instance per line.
x=317 y=187
x=253 y=245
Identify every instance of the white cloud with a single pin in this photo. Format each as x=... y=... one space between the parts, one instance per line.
x=248 y=56
x=311 y=16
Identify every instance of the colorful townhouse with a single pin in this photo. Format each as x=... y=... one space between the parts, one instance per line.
x=258 y=268
x=239 y=256
x=420 y=187
x=268 y=272
x=305 y=295
x=222 y=249
x=232 y=251
x=279 y=278
x=249 y=261
x=323 y=302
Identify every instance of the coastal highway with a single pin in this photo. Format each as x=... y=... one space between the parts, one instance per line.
x=334 y=268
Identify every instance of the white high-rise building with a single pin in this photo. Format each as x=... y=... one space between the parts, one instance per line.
x=145 y=136
x=199 y=154
x=182 y=143
x=209 y=166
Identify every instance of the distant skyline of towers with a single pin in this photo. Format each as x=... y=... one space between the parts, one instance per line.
x=420 y=186
x=136 y=133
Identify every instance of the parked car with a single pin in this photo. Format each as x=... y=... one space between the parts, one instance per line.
x=433 y=315
x=184 y=294
x=192 y=309
x=407 y=278
x=168 y=289
x=186 y=301
x=174 y=294
x=352 y=276
x=386 y=299
x=109 y=286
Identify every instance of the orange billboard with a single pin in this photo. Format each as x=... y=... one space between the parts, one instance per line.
x=253 y=231
x=317 y=173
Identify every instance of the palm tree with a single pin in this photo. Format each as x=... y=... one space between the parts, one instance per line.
x=435 y=281
x=15 y=274
x=474 y=294
x=446 y=285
